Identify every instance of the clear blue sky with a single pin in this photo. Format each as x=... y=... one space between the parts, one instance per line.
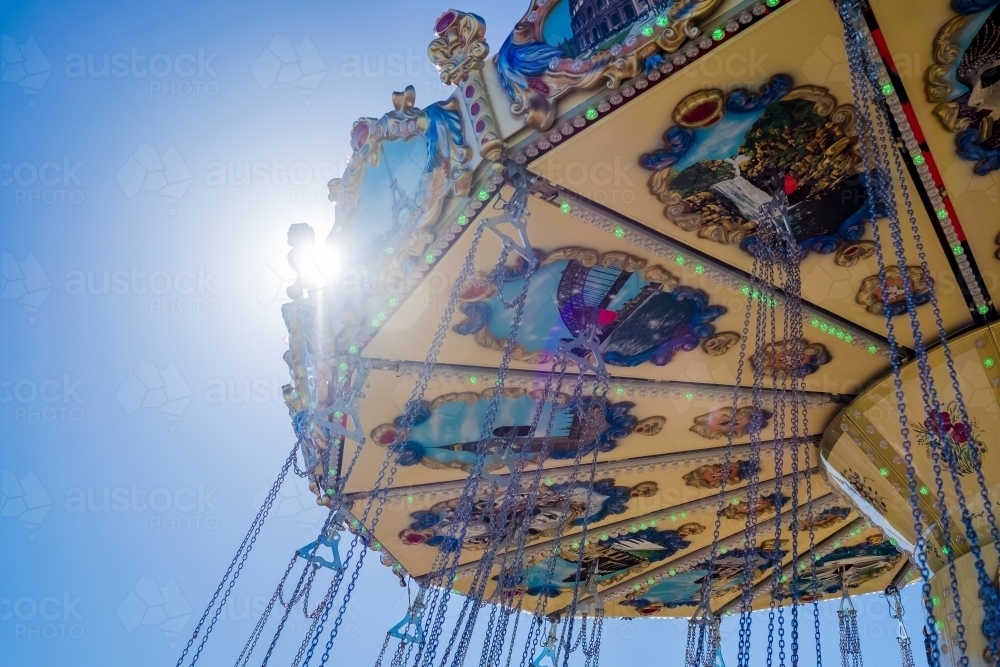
x=140 y=411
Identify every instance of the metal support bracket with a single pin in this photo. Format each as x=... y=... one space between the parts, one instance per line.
x=515 y=213
x=547 y=649
x=413 y=617
x=336 y=428
x=587 y=339
x=331 y=540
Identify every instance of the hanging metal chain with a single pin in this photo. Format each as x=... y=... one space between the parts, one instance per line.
x=236 y=566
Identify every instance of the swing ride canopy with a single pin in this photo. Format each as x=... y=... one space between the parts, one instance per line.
x=649 y=132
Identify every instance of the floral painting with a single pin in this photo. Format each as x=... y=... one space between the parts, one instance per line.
x=957 y=440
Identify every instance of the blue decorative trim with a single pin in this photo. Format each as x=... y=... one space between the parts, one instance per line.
x=677 y=141
x=745 y=101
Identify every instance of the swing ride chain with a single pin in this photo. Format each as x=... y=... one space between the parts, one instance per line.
x=861 y=102
x=600 y=389
x=800 y=438
x=931 y=402
x=743 y=653
x=861 y=99
x=518 y=556
x=534 y=488
x=420 y=387
x=238 y=561
x=890 y=110
x=500 y=529
x=875 y=74
x=327 y=525
x=534 y=632
x=960 y=402
x=466 y=501
x=259 y=627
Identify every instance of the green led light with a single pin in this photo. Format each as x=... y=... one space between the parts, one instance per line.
x=723 y=550
x=652 y=524
x=548 y=481
x=802 y=566
x=338 y=414
x=773 y=3
x=483 y=195
x=814 y=323
x=604 y=536
x=680 y=261
x=938 y=624
x=619 y=390
x=892 y=541
x=689 y=396
x=745 y=289
x=673 y=517
x=329 y=492
x=619 y=232
x=919 y=159
x=884 y=472
x=662 y=21
x=643 y=526
x=836 y=544
x=924 y=490
x=672 y=572
x=429 y=258
x=942 y=214
x=957 y=250
x=839 y=334
x=591 y=114
x=872 y=348
x=684 y=515
x=575 y=545
x=473 y=379
x=463 y=219
x=636 y=586
x=389 y=250
x=887 y=89
x=988 y=362
x=332 y=471
x=633 y=529
x=736 y=501
x=718 y=34
x=651 y=581
x=784 y=578
x=983 y=309
x=647 y=31
x=565 y=207
x=343 y=366
x=935 y=601
x=699 y=269
x=409 y=498
x=393 y=302
x=945 y=550
x=353 y=349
